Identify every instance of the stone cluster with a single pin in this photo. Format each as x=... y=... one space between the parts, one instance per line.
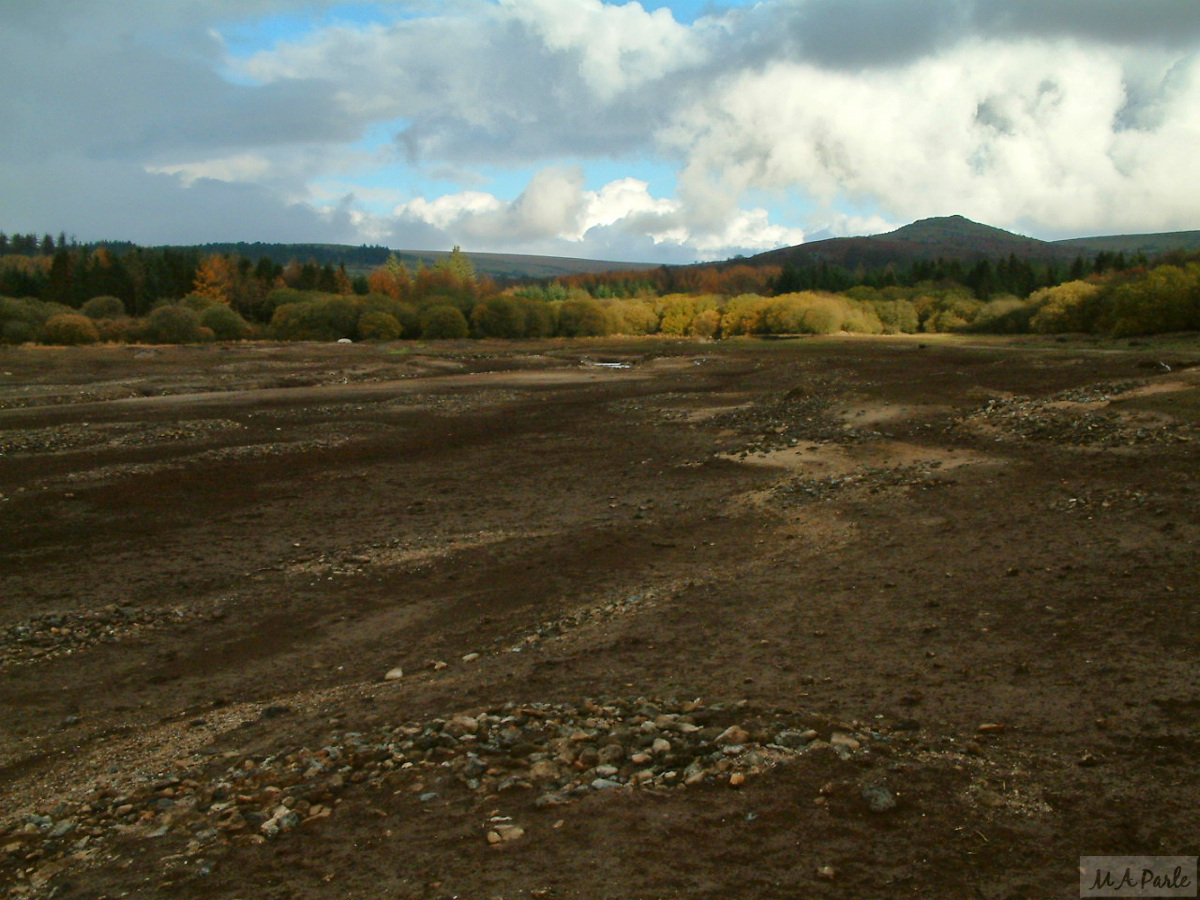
x=559 y=753
x=49 y=635
x=873 y=478
x=1055 y=421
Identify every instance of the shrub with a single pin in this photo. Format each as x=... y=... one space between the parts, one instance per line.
x=539 y=318
x=198 y=302
x=499 y=317
x=633 y=317
x=1167 y=298
x=1004 y=315
x=174 y=324
x=376 y=325
x=443 y=322
x=582 y=318
x=328 y=317
x=18 y=321
x=225 y=323
x=400 y=310
x=1065 y=307
x=69 y=329
x=16 y=331
x=744 y=314
x=706 y=324
x=118 y=331
x=897 y=316
x=103 y=308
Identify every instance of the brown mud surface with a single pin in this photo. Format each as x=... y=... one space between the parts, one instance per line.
x=848 y=617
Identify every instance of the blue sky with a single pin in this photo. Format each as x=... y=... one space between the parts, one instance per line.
x=664 y=132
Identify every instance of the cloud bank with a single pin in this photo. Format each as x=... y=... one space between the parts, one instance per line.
x=499 y=125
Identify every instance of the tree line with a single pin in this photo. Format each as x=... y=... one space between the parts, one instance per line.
x=63 y=292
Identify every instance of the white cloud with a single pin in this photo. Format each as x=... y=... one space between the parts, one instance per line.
x=1077 y=116
x=448 y=211
x=618 y=47
x=1002 y=132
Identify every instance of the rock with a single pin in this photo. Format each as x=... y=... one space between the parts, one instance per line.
x=990 y=728
x=62 y=829
x=661 y=746
x=838 y=739
x=506 y=832
x=879 y=799
x=794 y=739
x=394 y=674
x=737 y=779
x=612 y=753
x=827 y=873
x=601 y=784
x=470 y=657
x=734 y=734
x=461 y=725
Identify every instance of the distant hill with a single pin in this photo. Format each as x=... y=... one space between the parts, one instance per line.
x=361 y=259
x=959 y=239
x=1149 y=244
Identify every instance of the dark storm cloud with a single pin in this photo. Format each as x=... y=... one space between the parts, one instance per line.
x=1166 y=24
x=110 y=199
x=881 y=33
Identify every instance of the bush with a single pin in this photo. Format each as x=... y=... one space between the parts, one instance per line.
x=744 y=314
x=499 y=317
x=1167 y=298
x=198 y=302
x=539 y=318
x=118 y=331
x=1004 y=315
x=69 y=329
x=329 y=317
x=897 y=316
x=104 y=308
x=225 y=323
x=443 y=322
x=174 y=324
x=1065 y=307
x=400 y=310
x=633 y=317
x=16 y=331
x=19 y=321
x=376 y=325
x=706 y=324
x=582 y=318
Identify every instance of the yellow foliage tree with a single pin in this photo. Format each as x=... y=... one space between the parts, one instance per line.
x=216 y=278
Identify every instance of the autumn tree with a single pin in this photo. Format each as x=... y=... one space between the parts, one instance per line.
x=392 y=279
x=216 y=278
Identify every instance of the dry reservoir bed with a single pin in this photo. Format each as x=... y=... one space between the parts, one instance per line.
x=840 y=617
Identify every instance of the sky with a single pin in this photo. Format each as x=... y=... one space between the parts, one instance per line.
x=667 y=131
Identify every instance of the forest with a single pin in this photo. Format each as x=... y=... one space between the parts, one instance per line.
x=57 y=291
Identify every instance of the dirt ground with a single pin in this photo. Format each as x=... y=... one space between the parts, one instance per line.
x=849 y=617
